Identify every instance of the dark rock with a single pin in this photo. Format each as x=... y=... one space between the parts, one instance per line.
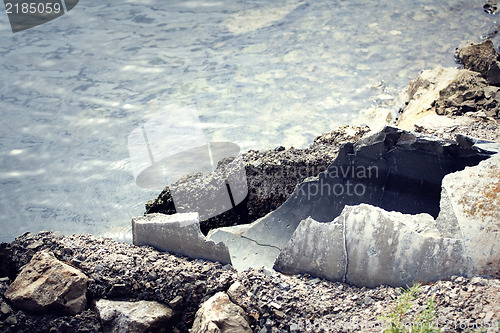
x=462 y=93
x=494 y=74
x=7 y=266
x=478 y=57
x=271 y=178
x=490 y=6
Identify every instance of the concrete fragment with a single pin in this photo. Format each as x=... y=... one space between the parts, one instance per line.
x=397 y=249
x=245 y=252
x=368 y=246
x=392 y=169
x=124 y=317
x=219 y=315
x=315 y=248
x=47 y=284
x=474 y=197
x=177 y=233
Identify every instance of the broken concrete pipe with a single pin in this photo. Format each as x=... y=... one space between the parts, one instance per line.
x=376 y=216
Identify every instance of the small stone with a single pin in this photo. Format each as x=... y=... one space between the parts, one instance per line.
x=152 y=276
x=488 y=316
x=236 y=291
x=141 y=316
x=284 y=286
x=279 y=314
x=368 y=300
x=294 y=328
x=5 y=309
x=477 y=281
x=35 y=245
x=494 y=74
x=75 y=262
x=275 y=305
x=175 y=302
x=11 y=320
x=490 y=91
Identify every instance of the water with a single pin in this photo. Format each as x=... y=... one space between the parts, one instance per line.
x=260 y=73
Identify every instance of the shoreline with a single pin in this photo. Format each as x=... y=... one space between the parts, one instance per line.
x=272 y=301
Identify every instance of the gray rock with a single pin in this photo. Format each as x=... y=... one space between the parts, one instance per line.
x=47 y=284
x=219 y=314
x=236 y=292
x=437 y=123
x=11 y=320
x=177 y=233
x=5 y=309
x=137 y=317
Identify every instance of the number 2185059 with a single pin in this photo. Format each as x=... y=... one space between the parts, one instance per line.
x=33 y=8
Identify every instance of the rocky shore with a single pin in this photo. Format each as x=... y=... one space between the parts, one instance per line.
x=81 y=283
x=271 y=302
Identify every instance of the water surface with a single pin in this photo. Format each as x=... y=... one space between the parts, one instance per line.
x=260 y=73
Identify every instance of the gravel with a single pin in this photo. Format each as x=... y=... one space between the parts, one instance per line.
x=273 y=302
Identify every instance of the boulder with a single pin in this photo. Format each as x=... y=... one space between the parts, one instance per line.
x=422 y=92
x=478 y=57
x=47 y=284
x=445 y=91
x=124 y=317
x=177 y=233
x=219 y=315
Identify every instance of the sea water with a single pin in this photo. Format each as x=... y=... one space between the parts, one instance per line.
x=259 y=74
